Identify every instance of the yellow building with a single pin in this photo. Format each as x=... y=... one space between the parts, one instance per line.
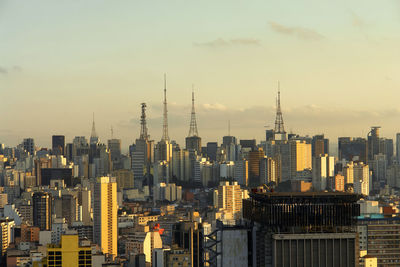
x=229 y=197
x=105 y=232
x=300 y=157
x=68 y=253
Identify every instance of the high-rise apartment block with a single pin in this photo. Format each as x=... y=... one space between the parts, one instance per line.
x=105 y=232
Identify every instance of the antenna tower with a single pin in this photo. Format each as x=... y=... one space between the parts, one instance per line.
x=143 y=125
x=193 y=125
x=165 y=121
x=279 y=128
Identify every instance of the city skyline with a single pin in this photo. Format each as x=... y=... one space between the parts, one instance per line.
x=326 y=58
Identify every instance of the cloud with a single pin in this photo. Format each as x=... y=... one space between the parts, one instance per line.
x=3 y=70
x=299 y=32
x=220 y=42
x=17 y=68
x=357 y=21
x=215 y=106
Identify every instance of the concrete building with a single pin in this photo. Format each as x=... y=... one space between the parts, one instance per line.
x=241 y=174
x=300 y=157
x=125 y=179
x=229 y=197
x=58 y=145
x=105 y=232
x=380 y=236
x=144 y=243
x=42 y=207
x=361 y=178
x=323 y=169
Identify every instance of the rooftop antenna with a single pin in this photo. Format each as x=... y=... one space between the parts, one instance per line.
x=165 y=136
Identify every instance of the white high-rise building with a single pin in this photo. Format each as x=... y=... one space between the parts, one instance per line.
x=323 y=168
x=361 y=178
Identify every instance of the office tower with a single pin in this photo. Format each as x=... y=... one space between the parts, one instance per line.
x=268 y=171
x=142 y=154
x=193 y=141
x=80 y=146
x=378 y=167
x=69 y=252
x=58 y=144
x=181 y=168
x=353 y=149
x=105 y=232
x=189 y=237
x=227 y=140
x=250 y=144
x=387 y=149
x=114 y=146
x=320 y=145
x=269 y=135
x=94 y=139
x=323 y=169
x=86 y=197
x=300 y=157
x=361 y=178
x=212 y=148
x=124 y=179
x=66 y=207
x=42 y=205
x=29 y=145
x=398 y=147
x=254 y=167
x=241 y=174
x=229 y=197
x=161 y=172
x=373 y=142
x=279 y=132
x=285 y=224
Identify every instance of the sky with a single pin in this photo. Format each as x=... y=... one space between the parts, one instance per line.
x=338 y=64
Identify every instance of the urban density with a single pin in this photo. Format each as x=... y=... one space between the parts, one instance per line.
x=199 y=133
x=282 y=201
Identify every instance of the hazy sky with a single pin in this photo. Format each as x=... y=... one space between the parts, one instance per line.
x=338 y=63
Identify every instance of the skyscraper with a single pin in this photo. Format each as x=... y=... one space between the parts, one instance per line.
x=94 y=139
x=58 y=144
x=29 y=145
x=193 y=141
x=105 y=232
x=42 y=204
x=164 y=147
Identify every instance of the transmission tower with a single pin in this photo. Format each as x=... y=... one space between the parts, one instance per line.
x=193 y=125
x=143 y=125
x=165 y=136
x=279 y=128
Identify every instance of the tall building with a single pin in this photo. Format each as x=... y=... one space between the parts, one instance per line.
x=94 y=139
x=142 y=154
x=300 y=157
x=361 y=178
x=105 y=232
x=114 y=146
x=189 y=237
x=42 y=205
x=29 y=145
x=323 y=170
x=398 y=147
x=373 y=142
x=320 y=145
x=58 y=144
x=193 y=141
x=212 y=148
x=229 y=197
x=255 y=158
x=268 y=171
x=353 y=149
